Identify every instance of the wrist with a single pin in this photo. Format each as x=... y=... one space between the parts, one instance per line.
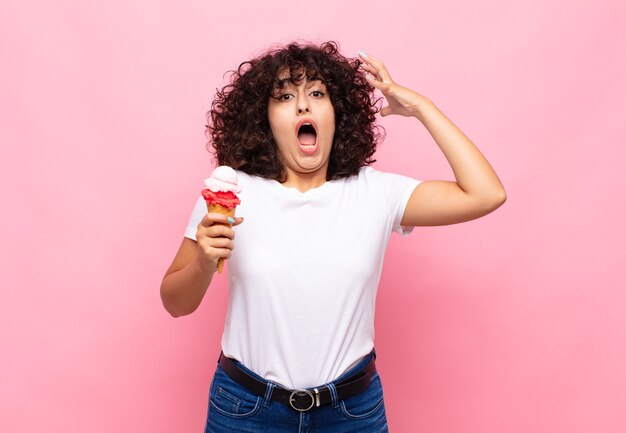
x=203 y=266
x=422 y=108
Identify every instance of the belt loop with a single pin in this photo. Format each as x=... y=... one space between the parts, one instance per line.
x=268 y=393
x=333 y=395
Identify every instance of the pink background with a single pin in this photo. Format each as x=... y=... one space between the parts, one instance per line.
x=510 y=323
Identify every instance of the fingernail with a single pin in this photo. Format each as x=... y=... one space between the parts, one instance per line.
x=362 y=54
x=230 y=220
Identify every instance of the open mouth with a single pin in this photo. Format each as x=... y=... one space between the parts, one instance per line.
x=307 y=137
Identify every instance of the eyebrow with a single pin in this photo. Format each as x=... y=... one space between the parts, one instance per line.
x=282 y=82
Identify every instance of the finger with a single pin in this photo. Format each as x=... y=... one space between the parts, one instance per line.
x=372 y=80
x=218 y=230
x=371 y=59
x=370 y=69
x=385 y=111
x=367 y=67
x=222 y=243
x=378 y=65
x=212 y=218
x=376 y=83
x=222 y=252
x=238 y=220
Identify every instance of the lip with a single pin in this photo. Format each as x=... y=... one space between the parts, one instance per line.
x=307 y=149
x=306 y=120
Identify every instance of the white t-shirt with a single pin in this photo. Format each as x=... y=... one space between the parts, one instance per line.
x=304 y=273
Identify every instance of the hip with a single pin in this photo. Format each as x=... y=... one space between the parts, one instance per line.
x=235 y=408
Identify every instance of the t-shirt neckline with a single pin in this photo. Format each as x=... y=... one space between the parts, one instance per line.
x=295 y=191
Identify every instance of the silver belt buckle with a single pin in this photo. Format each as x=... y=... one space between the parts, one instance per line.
x=301 y=392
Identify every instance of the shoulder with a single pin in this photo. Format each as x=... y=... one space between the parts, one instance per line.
x=370 y=172
x=366 y=173
x=368 y=178
x=242 y=175
x=371 y=182
x=393 y=188
x=245 y=179
x=250 y=178
x=372 y=175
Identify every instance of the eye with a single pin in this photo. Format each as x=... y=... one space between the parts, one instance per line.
x=285 y=97
x=317 y=94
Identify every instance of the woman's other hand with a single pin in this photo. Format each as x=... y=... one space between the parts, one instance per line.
x=400 y=100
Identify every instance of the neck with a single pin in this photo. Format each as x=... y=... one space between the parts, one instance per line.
x=305 y=182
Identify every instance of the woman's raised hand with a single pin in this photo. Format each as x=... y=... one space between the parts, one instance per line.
x=215 y=239
x=400 y=100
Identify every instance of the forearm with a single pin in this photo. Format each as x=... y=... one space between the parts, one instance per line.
x=472 y=171
x=183 y=290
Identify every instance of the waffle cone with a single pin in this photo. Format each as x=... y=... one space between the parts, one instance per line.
x=224 y=211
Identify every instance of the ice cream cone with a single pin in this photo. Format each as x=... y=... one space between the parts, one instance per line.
x=224 y=211
x=221 y=196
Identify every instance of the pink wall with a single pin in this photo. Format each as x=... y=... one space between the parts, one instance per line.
x=510 y=323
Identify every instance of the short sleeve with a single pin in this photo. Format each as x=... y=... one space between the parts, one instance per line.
x=198 y=212
x=397 y=190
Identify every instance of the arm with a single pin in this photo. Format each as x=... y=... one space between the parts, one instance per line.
x=186 y=281
x=477 y=190
x=190 y=274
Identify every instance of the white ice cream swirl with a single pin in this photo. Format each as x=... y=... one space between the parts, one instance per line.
x=223 y=179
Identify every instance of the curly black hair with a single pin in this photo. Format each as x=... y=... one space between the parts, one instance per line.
x=238 y=124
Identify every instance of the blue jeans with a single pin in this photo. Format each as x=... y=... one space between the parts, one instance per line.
x=233 y=408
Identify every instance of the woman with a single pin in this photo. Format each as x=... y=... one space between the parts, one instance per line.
x=297 y=123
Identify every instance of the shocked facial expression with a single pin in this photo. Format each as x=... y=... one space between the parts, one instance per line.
x=302 y=120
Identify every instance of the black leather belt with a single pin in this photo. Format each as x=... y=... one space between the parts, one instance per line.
x=302 y=399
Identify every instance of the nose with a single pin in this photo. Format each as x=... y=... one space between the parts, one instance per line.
x=303 y=105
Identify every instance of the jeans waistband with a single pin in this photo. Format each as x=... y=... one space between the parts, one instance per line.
x=350 y=383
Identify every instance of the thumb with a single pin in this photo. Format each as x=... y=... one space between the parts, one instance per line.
x=238 y=220
x=385 y=111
